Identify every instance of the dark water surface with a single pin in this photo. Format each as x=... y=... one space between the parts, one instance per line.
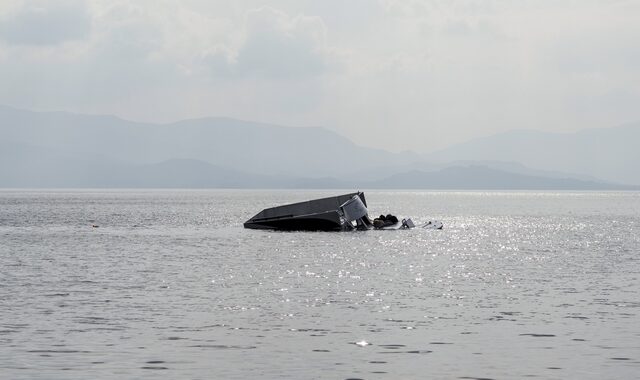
x=170 y=285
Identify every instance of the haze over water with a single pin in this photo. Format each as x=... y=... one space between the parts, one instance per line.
x=517 y=284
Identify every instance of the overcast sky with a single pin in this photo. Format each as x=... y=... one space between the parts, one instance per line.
x=398 y=74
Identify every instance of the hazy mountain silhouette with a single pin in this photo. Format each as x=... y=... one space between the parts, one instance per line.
x=241 y=145
x=483 y=178
x=610 y=154
x=57 y=149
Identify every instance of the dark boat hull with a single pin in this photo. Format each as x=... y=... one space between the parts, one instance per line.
x=315 y=215
x=316 y=222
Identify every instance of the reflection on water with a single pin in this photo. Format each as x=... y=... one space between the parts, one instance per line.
x=115 y=284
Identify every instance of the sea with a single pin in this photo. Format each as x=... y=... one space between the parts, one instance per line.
x=136 y=284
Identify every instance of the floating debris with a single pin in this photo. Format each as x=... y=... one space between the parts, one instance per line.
x=347 y=212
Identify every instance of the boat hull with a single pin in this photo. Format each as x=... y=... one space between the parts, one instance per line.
x=316 y=215
x=329 y=221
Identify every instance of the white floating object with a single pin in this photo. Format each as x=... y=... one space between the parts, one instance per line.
x=433 y=225
x=362 y=343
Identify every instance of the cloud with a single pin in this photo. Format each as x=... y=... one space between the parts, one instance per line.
x=45 y=23
x=153 y=61
x=119 y=57
x=275 y=45
x=403 y=74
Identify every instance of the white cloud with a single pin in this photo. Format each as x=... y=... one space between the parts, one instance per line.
x=45 y=23
x=274 y=45
x=394 y=73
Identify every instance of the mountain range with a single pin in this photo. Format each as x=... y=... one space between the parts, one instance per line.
x=610 y=154
x=59 y=149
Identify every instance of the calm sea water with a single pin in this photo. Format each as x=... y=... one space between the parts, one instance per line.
x=518 y=284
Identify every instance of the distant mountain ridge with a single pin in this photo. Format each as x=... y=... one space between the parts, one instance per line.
x=58 y=149
x=239 y=145
x=610 y=154
x=476 y=177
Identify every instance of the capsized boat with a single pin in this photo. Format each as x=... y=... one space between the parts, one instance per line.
x=345 y=212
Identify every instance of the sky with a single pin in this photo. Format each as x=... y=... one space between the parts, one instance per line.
x=393 y=74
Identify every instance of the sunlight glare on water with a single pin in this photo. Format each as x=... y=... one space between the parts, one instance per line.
x=516 y=284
